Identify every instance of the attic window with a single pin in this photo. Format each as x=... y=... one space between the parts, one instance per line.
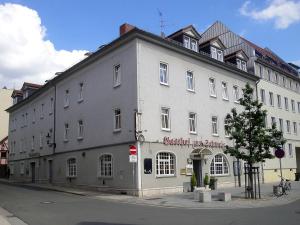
x=216 y=53
x=190 y=43
x=241 y=64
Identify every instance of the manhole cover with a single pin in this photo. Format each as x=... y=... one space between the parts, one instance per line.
x=47 y=202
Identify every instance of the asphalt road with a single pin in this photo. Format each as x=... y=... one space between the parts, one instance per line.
x=40 y=207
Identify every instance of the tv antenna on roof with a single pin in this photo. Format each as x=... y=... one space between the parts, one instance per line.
x=162 y=23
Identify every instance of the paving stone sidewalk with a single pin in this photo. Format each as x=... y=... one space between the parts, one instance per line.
x=185 y=200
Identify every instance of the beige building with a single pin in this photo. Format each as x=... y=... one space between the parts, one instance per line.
x=5 y=102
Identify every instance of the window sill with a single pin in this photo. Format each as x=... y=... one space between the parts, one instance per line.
x=225 y=99
x=215 y=135
x=116 y=85
x=80 y=100
x=79 y=138
x=163 y=176
x=193 y=133
x=190 y=90
x=50 y=113
x=167 y=130
x=213 y=96
x=227 y=136
x=236 y=102
x=66 y=106
x=66 y=140
x=164 y=84
x=117 y=130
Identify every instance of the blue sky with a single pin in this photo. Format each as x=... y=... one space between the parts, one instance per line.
x=85 y=25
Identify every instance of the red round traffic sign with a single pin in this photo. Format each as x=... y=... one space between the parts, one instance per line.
x=132 y=150
x=279 y=153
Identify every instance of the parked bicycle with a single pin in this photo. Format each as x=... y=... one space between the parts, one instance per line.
x=282 y=187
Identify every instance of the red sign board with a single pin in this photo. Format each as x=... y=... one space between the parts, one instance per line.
x=132 y=150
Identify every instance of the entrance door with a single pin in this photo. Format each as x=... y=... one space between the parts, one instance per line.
x=32 y=172
x=50 y=172
x=197 y=166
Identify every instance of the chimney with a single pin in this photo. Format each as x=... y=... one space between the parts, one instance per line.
x=124 y=28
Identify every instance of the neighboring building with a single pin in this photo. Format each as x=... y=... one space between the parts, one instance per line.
x=166 y=96
x=5 y=102
x=278 y=90
x=3 y=157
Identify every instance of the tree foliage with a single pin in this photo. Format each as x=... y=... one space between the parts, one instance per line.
x=249 y=132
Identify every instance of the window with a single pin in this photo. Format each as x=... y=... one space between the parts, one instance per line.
x=293 y=105
x=281 y=125
x=224 y=91
x=32 y=143
x=165 y=164
x=80 y=95
x=244 y=66
x=279 y=101
x=219 y=165
x=194 y=45
x=262 y=96
x=186 y=42
x=295 y=127
x=298 y=107
x=41 y=140
x=26 y=119
x=288 y=126
x=286 y=103
x=71 y=167
x=269 y=75
x=216 y=54
x=192 y=122
x=117 y=75
x=51 y=106
x=22 y=168
x=241 y=64
x=163 y=73
x=66 y=133
x=214 y=124
x=117 y=119
x=67 y=98
x=225 y=124
x=290 y=150
x=190 y=80
x=283 y=81
x=11 y=169
x=236 y=94
x=33 y=116
x=80 y=129
x=106 y=166
x=261 y=72
x=165 y=119
x=276 y=78
x=212 y=87
x=273 y=121
x=271 y=98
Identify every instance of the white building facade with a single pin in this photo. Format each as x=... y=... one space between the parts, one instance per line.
x=166 y=98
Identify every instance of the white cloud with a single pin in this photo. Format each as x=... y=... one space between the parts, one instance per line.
x=282 y=12
x=297 y=62
x=25 y=53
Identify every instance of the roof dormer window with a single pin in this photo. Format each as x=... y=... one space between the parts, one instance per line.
x=190 y=43
x=216 y=53
x=241 y=64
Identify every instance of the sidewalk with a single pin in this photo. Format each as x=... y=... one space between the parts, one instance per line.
x=184 y=200
x=6 y=218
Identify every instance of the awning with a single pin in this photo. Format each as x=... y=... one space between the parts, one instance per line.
x=200 y=153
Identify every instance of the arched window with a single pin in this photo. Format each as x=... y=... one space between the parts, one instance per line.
x=71 y=167
x=105 y=165
x=219 y=165
x=165 y=164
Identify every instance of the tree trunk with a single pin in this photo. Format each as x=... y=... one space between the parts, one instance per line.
x=250 y=174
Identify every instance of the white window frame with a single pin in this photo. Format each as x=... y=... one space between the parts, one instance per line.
x=244 y=65
x=186 y=42
x=67 y=98
x=22 y=168
x=117 y=75
x=164 y=74
x=165 y=164
x=41 y=139
x=165 y=119
x=80 y=129
x=295 y=130
x=66 y=132
x=190 y=81
x=279 y=104
x=214 y=126
x=290 y=146
x=80 y=94
x=225 y=132
x=286 y=103
x=194 y=45
x=263 y=96
x=105 y=167
x=220 y=56
x=193 y=123
x=293 y=105
x=117 y=119
x=236 y=94
x=71 y=170
x=271 y=98
x=288 y=126
x=281 y=126
x=212 y=87
x=216 y=165
x=225 y=95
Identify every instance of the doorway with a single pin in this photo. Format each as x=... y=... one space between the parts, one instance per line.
x=32 y=165
x=50 y=171
x=197 y=167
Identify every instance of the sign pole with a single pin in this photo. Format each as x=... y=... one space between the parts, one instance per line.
x=280 y=168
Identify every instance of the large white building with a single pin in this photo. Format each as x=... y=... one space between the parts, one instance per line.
x=166 y=96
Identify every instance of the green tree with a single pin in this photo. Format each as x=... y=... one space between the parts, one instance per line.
x=251 y=137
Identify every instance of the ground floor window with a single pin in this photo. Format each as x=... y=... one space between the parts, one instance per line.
x=219 y=165
x=165 y=164
x=106 y=165
x=71 y=167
